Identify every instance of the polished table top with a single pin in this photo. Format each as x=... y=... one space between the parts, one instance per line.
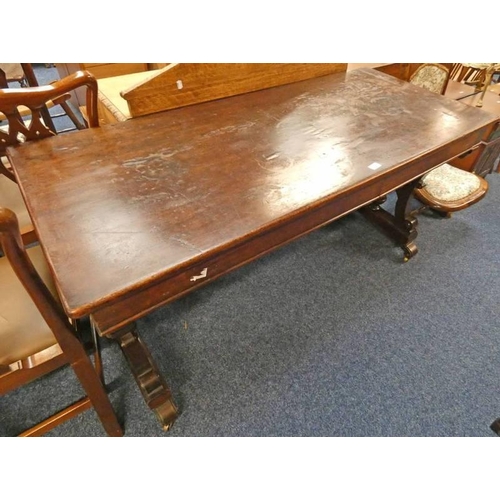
x=120 y=207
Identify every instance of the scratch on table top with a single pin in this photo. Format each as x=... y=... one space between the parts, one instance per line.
x=171 y=197
x=452 y=115
x=162 y=154
x=273 y=156
x=116 y=232
x=230 y=128
x=74 y=148
x=184 y=243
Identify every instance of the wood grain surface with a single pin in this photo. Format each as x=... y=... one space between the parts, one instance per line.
x=130 y=214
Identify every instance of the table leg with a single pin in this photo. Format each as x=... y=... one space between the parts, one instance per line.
x=487 y=81
x=154 y=389
x=400 y=227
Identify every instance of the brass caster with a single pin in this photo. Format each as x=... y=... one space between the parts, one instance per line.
x=410 y=250
x=166 y=413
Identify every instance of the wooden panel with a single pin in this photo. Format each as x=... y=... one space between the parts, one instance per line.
x=484 y=158
x=353 y=66
x=100 y=70
x=181 y=84
x=112 y=106
x=402 y=71
x=157 y=65
x=489 y=159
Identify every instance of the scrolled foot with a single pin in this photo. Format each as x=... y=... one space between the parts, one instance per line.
x=153 y=387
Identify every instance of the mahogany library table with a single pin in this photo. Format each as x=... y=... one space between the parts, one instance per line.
x=133 y=215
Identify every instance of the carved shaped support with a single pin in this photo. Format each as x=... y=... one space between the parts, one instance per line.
x=154 y=389
x=400 y=227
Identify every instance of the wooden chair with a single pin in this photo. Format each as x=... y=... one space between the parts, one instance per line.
x=24 y=75
x=466 y=74
x=13 y=105
x=12 y=72
x=35 y=335
x=445 y=189
x=431 y=76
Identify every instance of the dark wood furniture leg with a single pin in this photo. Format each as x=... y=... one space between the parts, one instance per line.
x=154 y=389
x=400 y=227
x=495 y=426
x=3 y=80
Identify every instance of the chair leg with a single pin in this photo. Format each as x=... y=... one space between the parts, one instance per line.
x=486 y=84
x=495 y=426
x=62 y=101
x=97 y=353
x=57 y=419
x=96 y=392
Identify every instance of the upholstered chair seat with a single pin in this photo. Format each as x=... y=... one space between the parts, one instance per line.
x=448 y=189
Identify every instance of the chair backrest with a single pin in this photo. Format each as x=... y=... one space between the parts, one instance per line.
x=467 y=74
x=35 y=341
x=36 y=99
x=431 y=76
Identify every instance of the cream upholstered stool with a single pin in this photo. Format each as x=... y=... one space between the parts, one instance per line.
x=447 y=189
